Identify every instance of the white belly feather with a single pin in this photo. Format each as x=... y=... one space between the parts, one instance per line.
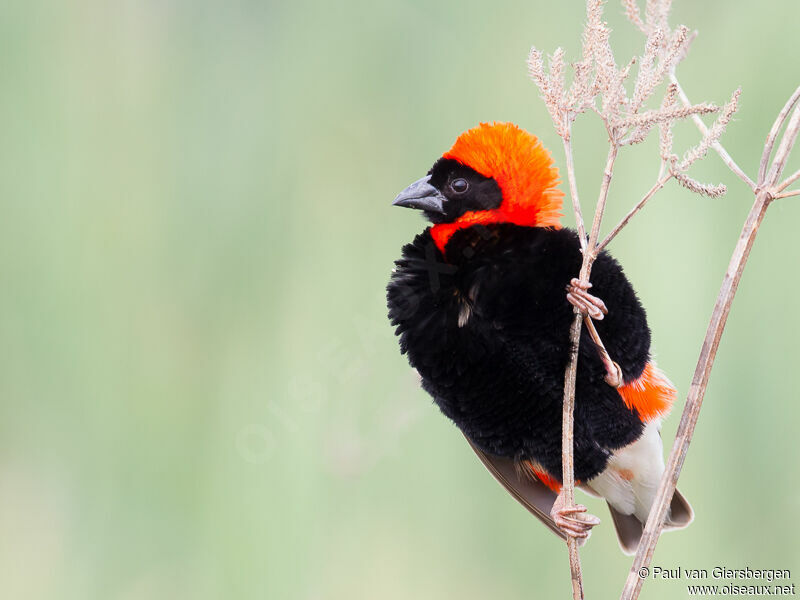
x=630 y=481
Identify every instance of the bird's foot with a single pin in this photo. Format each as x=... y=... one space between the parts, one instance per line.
x=579 y=296
x=571 y=519
x=592 y=307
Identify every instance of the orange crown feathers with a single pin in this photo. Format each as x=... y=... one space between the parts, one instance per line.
x=523 y=169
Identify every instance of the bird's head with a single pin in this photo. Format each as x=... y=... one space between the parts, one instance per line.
x=494 y=173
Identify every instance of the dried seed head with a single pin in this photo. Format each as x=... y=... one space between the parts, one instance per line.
x=656 y=14
x=665 y=128
x=714 y=133
x=704 y=189
x=633 y=14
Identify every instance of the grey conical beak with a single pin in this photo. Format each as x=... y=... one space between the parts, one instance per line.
x=422 y=196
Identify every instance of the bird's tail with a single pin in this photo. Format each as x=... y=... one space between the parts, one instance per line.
x=629 y=528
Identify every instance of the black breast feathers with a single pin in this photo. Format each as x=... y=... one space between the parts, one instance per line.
x=487 y=327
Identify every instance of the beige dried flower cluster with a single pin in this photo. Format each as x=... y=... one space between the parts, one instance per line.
x=600 y=85
x=678 y=169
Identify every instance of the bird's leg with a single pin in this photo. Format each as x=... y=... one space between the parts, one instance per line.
x=593 y=308
x=613 y=371
x=571 y=518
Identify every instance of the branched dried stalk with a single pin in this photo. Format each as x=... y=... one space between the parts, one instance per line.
x=599 y=85
x=766 y=190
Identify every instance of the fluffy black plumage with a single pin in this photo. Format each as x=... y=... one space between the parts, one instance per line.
x=487 y=327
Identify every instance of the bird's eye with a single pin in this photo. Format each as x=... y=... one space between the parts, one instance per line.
x=459 y=186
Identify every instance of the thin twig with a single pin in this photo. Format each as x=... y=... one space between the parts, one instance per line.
x=787 y=194
x=608 y=173
x=773 y=133
x=782 y=153
x=723 y=154
x=639 y=205
x=567 y=442
x=573 y=186
x=567 y=417
x=788 y=181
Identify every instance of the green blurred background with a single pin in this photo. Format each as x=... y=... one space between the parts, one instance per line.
x=201 y=396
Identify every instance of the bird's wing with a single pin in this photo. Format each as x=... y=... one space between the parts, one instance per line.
x=531 y=493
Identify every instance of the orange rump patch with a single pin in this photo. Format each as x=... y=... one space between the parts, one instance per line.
x=652 y=394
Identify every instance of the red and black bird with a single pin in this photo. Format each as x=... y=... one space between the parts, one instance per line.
x=482 y=301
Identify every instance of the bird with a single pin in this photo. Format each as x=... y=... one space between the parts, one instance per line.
x=482 y=301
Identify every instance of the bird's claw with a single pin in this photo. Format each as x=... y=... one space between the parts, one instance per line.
x=580 y=298
x=571 y=519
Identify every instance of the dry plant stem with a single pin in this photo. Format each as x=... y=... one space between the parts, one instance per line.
x=723 y=154
x=588 y=258
x=639 y=205
x=573 y=187
x=773 y=134
x=788 y=181
x=782 y=153
x=694 y=400
x=785 y=147
x=788 y=194
x=567 y=468
x=567 y=421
